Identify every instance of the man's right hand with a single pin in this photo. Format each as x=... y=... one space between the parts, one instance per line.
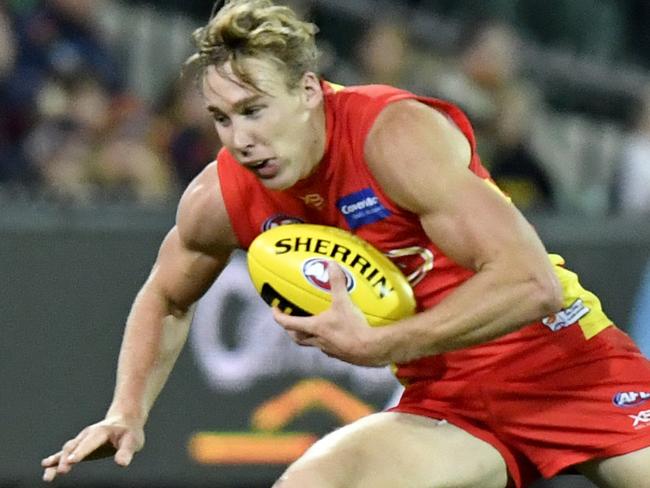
x=106 y=438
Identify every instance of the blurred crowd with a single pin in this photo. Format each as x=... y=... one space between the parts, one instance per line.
x=73 y=128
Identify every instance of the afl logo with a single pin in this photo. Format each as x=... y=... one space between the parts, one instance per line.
x=280 y=219
x=315 y=272
x=630 y=398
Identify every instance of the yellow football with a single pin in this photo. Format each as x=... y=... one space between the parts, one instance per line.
x=288 y=266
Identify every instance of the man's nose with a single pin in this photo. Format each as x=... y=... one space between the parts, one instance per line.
x=243 y=141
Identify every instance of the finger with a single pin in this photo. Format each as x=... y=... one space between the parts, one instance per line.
x=278 y=315
x=86 y=446
x=338 y=282
x=62 y=464
x=49 y=474
x=63 y=468
x=291 y=323
x=51 y=460
x=124 y=456
x=68 y=448
x=126 y=450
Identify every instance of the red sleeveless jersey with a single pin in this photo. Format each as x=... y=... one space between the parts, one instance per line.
x=342 y=192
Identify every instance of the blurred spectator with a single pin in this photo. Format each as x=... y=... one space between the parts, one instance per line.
x=128 y=169
x=514 y=165
x=594 y=29
x=90 y=145
x=61 y=144
x=73 y=130
x=128 y=165
x=485 y=81
x=62 y=37
x=53 y=42
x=634 y=173
x=482 y=76
x=385 y=55
x=590 y=28
x=185 y=131
x=12 y=120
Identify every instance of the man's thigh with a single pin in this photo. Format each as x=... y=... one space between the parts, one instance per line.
x=625 y=471
x=392 y=449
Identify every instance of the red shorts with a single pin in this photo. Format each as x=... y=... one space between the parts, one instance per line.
x=551 y=407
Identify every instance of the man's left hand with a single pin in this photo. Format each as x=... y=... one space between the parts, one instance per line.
x=341 y=331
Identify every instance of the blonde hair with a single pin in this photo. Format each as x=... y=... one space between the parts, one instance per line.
x=255 y=29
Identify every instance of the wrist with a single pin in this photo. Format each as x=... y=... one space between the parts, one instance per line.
x=401 y=343
x=382 y=347
x=123 y=414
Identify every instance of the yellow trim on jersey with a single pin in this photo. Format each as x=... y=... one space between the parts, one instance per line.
x=595 y=320
x=335 y=86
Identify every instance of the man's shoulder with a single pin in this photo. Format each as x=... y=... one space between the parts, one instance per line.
x=353 y=109
x=202 y=216
x=363 y=93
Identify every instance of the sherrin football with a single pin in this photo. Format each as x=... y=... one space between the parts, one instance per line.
x=288 y=266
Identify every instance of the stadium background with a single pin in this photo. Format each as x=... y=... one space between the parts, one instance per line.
x=77 y=237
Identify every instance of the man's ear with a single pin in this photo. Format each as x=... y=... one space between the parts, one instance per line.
x=311 y=89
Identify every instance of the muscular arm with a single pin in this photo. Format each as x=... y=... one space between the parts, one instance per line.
x=421 y=160
x=158 y=324
x=190 y=257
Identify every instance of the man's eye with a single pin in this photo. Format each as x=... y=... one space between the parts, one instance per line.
x=254 y=110
x=220 y=119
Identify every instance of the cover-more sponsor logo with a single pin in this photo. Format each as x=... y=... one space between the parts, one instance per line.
x=641 y=419
x=315 y=271
x=361 y=208
x=567 y=316
x=630 y=398
x=367 y=202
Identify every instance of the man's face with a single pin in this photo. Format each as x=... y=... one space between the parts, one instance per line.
x=277 y=133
